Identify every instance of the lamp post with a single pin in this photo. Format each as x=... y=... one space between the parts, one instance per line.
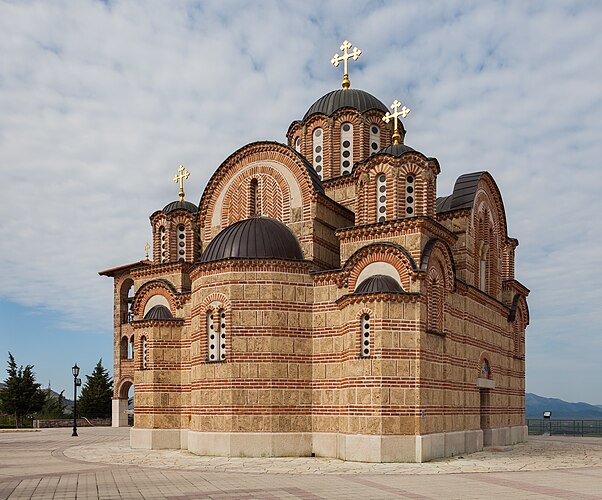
x=76 y=382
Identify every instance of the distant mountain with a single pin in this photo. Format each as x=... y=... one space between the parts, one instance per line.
x=536 y=405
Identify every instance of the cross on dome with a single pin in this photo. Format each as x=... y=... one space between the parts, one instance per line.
x=336 y=60
x=393 y=116
x=181 y=175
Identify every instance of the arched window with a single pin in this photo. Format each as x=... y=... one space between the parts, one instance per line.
x=298 y=144
x=163 y=244
x=381 y=198
x=483 y=257
x=374 y=139
x=318 y=153
x=144 y=353
x=365 y=336
x=127 y=299
x=485 y=369
x=346 y=148
x=216 y=335
x=517 y=333
x=131 y=348
x=410 y=195
x=181 y=243
x=253 y=198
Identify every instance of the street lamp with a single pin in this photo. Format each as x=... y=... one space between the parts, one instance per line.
x=76 y=382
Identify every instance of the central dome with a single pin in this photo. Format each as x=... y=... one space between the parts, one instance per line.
x=255 y=238
x=350 y=98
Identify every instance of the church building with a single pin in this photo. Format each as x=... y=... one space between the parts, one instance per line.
x=321 y=300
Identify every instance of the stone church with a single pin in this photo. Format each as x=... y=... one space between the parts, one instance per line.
x=321 y=300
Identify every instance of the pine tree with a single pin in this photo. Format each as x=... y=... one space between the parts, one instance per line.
x=96 y=395
x=21 y=395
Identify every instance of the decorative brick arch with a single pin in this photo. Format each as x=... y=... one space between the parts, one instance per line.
x=258 y=153
x=438 y=251
x=274 y=196
x=122 y=389
x=151 y=288
x=215 y=297
x=390 y=253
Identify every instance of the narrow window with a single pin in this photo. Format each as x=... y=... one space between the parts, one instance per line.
x=435 y=306
x=253 y=200
x=381 y=198
x=365 y=336
x=181 y=243
x=131 y=348
x=123 y=348
x=374 y=139
x=318 y=153
x=346 y=148
x=485 y=369
x=483 y=268
x=163 y=244
x=212 y=342
x=298 y=144
x=410 y=195
x=144 y=353
x=222 y=334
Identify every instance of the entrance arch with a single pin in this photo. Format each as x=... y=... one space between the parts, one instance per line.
x=120 y=403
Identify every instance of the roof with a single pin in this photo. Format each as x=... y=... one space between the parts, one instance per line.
x=349 y=98
x=255 y=238
x=114 y=270
x=180 y=205
x=464 y=193
x=378 y=283
x=396 y=149
x=158 y=312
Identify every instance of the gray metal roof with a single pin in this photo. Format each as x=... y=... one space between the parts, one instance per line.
x=378 y=283
x=350 y=98
x=180 y=205
x=255 y=238
x=396 y=149
x=158 y=312
x=465 y=190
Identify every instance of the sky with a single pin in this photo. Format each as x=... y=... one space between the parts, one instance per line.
x=101 y=101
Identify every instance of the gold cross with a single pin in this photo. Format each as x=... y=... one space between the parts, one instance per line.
x=146 y=249
x=393 y=116
x=182 y=174
x=336 y=60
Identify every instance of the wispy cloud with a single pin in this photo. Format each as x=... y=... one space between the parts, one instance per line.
x=100 y=101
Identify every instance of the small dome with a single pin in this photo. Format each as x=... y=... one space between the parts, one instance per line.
x=396 y=149
x=255 y=238
x=158 y=312
x=180 y=205
x=378 y=283
x=350 y=98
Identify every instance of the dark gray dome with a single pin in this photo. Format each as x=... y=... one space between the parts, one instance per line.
x=396 y=149
x=350 y=98
x=178 y=205
x=378 y=283
x=158 y=312
x=255 y=238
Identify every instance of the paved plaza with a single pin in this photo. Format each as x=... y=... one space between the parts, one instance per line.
x=50 y=464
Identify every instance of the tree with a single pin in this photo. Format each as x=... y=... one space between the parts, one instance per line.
x=96 y=395
x=54 y=407
x=21 y=395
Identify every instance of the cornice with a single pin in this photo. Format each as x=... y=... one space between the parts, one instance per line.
x=242 y=265
x=356 y=298
x=396 y=227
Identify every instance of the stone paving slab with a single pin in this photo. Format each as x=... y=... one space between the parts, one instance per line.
x=538 y=454
x=99 y=465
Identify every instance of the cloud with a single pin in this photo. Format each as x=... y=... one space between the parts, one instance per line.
x=100 y=102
